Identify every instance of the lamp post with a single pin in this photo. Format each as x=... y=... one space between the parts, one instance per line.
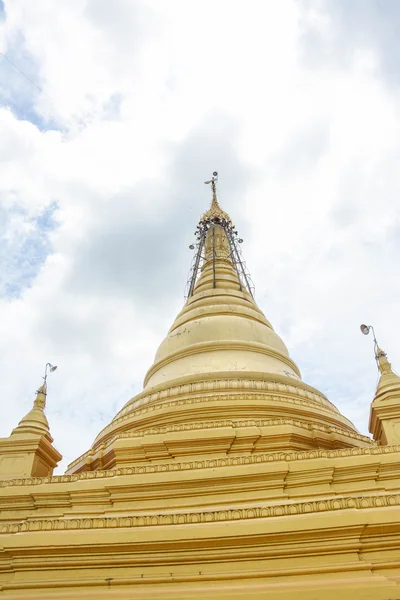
x=51 y=367
x=365 y=329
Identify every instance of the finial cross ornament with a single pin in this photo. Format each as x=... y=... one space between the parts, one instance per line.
x=215 y=212
x=213 y=182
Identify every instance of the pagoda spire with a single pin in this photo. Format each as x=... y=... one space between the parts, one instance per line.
x=384 y=421
x=384 y=365
x=216 y=238
x=35 y=421
x=389 y=381
x=29 y=450
x=215 y=213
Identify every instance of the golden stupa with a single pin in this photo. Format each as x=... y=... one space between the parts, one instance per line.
x=226 y=477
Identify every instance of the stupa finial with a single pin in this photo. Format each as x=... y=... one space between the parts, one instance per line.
x=385 y=407
x=215 y=212
x=217 y=235
x=384 y=365
x=35 y=421
x=40 y=400
x=382 y=362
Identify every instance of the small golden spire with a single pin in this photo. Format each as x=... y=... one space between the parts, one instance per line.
x=384 y=365
x=215 y=211
x=35 y=421
x=40 y=400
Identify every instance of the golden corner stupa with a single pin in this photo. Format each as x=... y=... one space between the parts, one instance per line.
x=226 y=477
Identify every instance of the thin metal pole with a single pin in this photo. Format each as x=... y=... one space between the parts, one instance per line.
x=241 y=265
x=233 y=259
x=214 y=190
x=196 y=264
x=45 y=372
x=214 y=274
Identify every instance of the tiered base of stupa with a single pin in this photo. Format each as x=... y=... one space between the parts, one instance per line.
x=316 y=524
x=223 y=414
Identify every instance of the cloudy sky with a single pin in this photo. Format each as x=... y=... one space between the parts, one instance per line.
x=111 y=119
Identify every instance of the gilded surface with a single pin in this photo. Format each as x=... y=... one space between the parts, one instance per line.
x=227 y=477
x=215 y=212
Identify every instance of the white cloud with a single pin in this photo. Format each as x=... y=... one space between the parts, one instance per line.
x=142 y=100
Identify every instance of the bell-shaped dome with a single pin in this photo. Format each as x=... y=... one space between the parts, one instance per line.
x=220 y=328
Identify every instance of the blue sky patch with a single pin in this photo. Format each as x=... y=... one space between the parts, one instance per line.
x=20 y=83
x=25 y=246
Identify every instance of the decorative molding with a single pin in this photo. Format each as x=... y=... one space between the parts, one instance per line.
x=92 y=452
x=241 y=423
x=158 y=402
x=164 y=429
x=189 y=518
x=231 y=461
x=227 y=384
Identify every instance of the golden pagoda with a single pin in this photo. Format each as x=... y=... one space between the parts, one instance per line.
x=226 y=477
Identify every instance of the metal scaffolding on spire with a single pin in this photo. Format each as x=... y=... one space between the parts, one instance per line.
x=212 y=217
